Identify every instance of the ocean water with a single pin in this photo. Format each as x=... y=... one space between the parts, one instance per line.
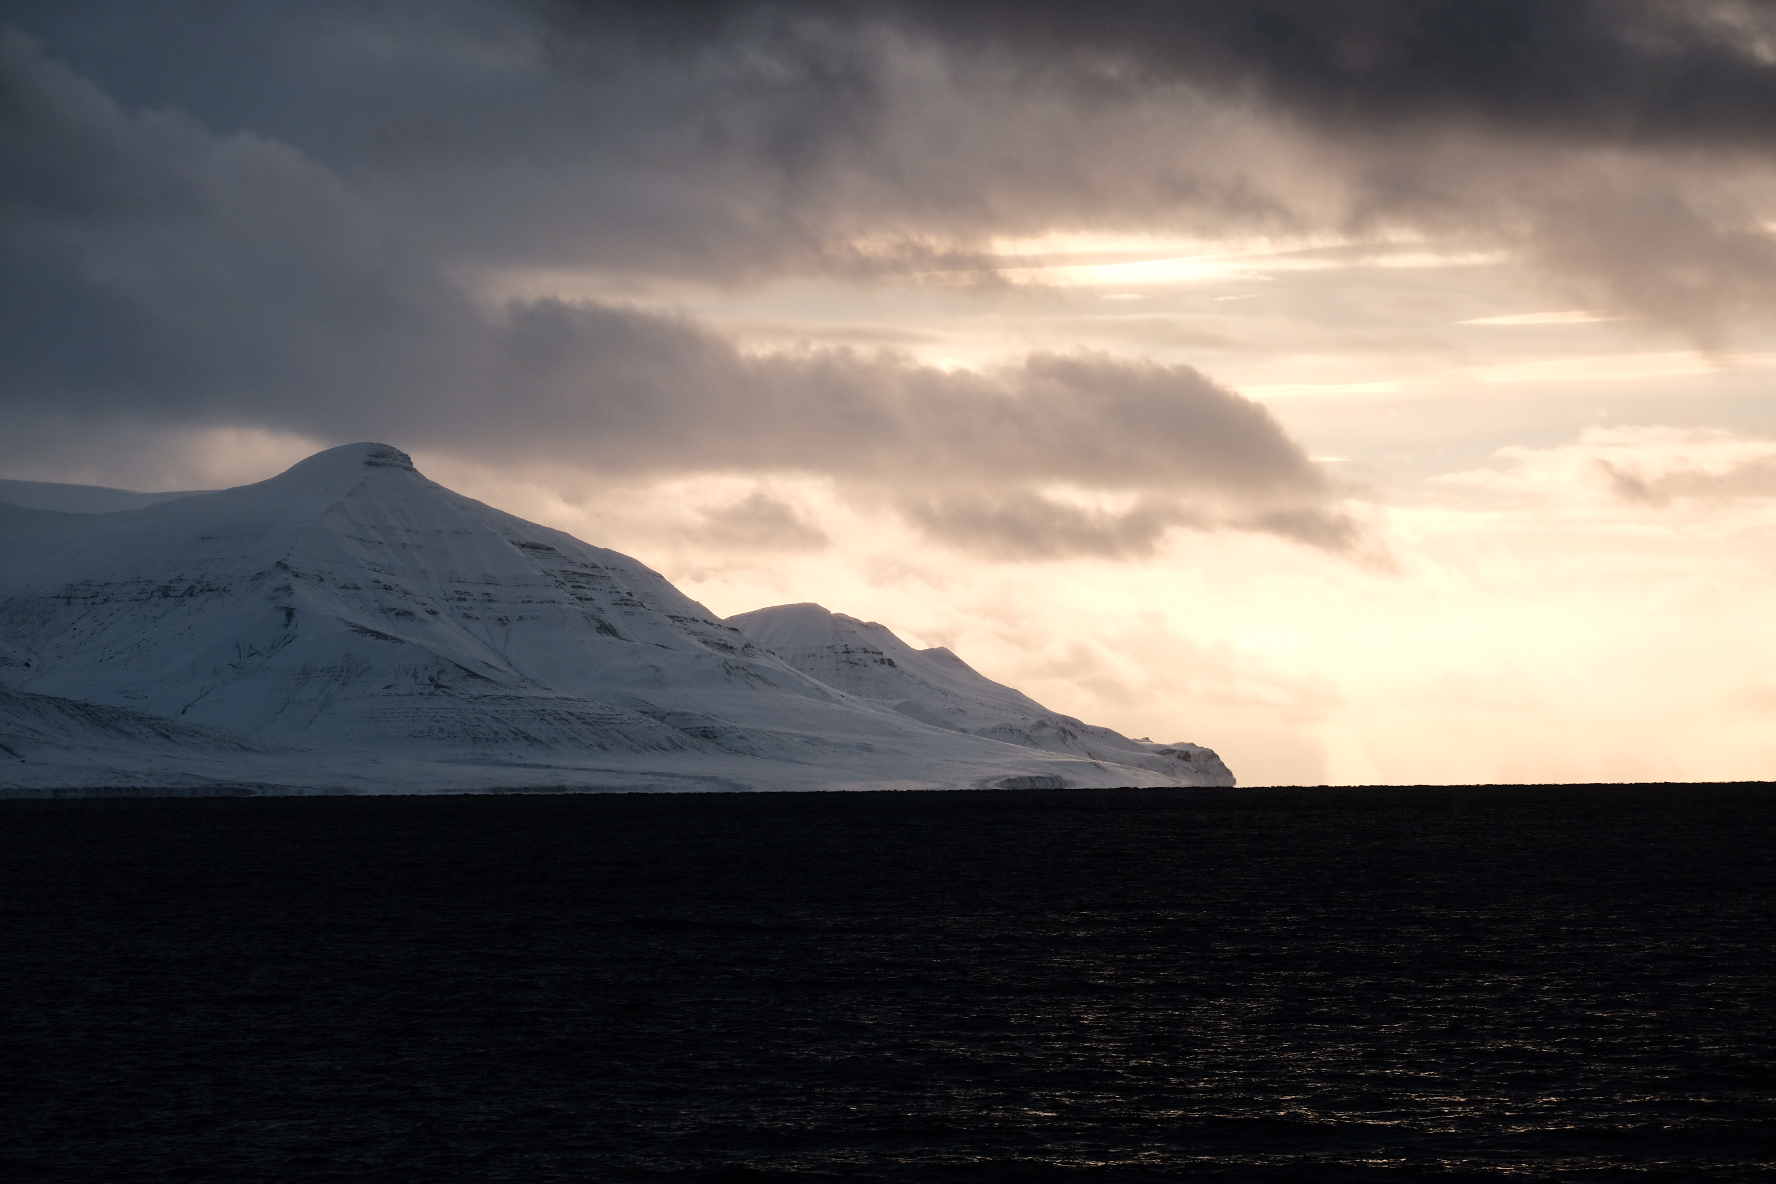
x=1560 y=983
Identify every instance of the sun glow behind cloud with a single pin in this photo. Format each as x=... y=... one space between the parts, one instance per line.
x=1112 y=262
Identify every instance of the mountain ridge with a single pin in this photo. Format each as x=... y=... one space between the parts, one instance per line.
x=383 y=631
x=937 y=687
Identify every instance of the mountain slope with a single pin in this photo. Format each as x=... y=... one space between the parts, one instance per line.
x=386 y=632
x=938 y=688
x=81 y=499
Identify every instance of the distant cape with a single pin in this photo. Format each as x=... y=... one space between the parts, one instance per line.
x=350 y=626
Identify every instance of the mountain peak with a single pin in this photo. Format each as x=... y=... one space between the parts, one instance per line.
x=382 y=456
x=335 y=470
x=790 y=626
x=367 y=455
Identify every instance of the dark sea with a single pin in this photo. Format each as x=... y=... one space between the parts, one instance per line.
x=1558 y=983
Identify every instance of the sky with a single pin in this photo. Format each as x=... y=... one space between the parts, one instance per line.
x=1375 y=392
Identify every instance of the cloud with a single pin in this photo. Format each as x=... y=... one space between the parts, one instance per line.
x=1650 y=467
x=1618 y=147
x=318 y=267
x=1031 y=525
x=157 y=274
x=1747 y=480
x=155 y=269
x=1626 y=71
x=1028 y=525
x=761 y=522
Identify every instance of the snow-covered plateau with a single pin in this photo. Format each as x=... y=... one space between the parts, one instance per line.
x=349 y=626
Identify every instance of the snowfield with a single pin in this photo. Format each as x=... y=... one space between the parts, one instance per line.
x=349 y=626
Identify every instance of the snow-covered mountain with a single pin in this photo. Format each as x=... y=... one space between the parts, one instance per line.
x=350 y=625
x=81 y=499
x=936 y=687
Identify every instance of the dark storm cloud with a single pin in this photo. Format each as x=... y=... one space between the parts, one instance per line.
x=750 y=134
x=155 y=272
x=1618 y=146
x=1614 y=144
x=979 y=447
x=637 y=392
x=284 y=216
x=150 y=265
x=1673 y=71
x=1684 y=71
